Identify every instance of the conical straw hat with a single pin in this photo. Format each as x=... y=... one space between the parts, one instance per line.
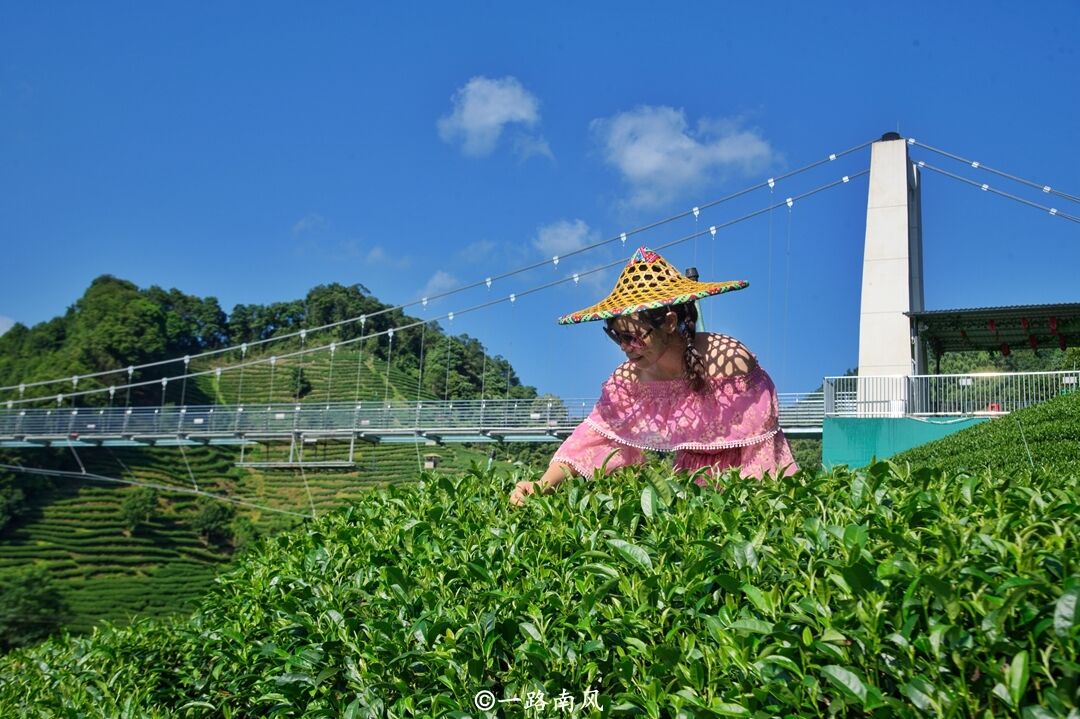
x=648 y=281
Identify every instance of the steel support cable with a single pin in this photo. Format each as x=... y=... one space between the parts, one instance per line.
x=359 y=361
x=303 y=475
x=510 y=298
x=300 y=370
x=986 y=188
x=419 y=386
x=330 y=382
x=149 y=485
x=622 y=236
x=979 y=166
x=187 y=464
x=389 y=355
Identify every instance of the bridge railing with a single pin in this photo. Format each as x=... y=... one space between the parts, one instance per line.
x=541 y=415
x=801 y=409
x=283 y=419
x=991 y=393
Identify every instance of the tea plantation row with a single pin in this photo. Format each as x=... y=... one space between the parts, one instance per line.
x=884 y=592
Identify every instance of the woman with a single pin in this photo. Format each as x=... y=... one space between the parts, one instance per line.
x=702 y=396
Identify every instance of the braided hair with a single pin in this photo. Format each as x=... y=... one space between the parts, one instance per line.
x=686 y=325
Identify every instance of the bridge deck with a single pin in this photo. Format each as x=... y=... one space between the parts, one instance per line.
x=451 y=421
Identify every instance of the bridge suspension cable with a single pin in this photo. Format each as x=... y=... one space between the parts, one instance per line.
x=979 y=166
x=150 y=485
x=987 y=188
x=711 y=230
x=621 y=237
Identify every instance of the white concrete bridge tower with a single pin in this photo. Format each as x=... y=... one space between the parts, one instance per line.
x=892 y=276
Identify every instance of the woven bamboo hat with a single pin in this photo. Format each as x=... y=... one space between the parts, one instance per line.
x=648 y=281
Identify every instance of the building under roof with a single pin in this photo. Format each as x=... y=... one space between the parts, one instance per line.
x=998 y=329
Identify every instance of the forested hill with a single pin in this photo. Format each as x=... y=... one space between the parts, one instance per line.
x=74 y=552
x=116 y=324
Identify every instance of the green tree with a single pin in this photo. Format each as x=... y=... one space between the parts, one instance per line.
x=1019 y=360
x=807 y=452
x=213 y=521
x=299 y=383
x=138 y=508
x=244 y=533
x=31 y=607
x=192 y=324
x=11 y=501
x=116 y=325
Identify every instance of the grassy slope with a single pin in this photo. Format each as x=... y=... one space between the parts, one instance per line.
x=75 y=530
x=1050 y=432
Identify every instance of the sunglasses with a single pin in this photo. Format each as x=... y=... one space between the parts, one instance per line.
x=626 y=339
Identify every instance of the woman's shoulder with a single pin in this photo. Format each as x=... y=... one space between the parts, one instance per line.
x=625 y=373
x=725 y=356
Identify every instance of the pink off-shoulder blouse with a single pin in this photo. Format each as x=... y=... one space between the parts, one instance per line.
x=733 y=424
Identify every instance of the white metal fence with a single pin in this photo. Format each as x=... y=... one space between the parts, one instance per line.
x=798 y=412
x=949 y=394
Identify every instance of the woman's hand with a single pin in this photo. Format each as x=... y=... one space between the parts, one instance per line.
x=521 y=491
x=555 y=474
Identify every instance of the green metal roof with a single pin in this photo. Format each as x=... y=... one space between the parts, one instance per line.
x=1048 y=327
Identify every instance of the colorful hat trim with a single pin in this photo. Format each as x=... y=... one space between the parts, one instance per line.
x=648 y=282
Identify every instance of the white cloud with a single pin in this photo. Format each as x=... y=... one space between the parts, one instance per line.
x=661 y=157
x=6 y=323
x=483 y=108
x=526 y=146
x=378 y=256
x=563 y=236
x=310 y=221
x=476 y=248
x=438 y=283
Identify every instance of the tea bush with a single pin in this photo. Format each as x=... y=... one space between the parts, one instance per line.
x=884 y=592
x=1045 y=435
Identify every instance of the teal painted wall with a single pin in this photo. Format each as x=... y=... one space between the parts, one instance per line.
x=856 y=441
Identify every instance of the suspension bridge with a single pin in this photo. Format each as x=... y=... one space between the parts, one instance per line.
x=71 y=412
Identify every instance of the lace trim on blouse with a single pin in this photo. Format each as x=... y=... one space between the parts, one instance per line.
x=682 y=446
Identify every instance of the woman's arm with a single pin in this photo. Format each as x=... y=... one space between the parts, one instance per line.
x=725 y=356
x=555 y=474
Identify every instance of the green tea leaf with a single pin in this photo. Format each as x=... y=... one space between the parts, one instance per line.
x=1002 y=693
x=715 y=628
x=1065 y=615
x=782 y=661
x=601 y=569
x=745 y=555
x=529 y=629
x=847 y=682
x=1017 y=677
x=1037 y=712
x=481 y=572
x=754 y=626
x=855 y=537
x=661 y=486
x=921 y=693
x=757 y=598
x=648 y=500
x=631 y=553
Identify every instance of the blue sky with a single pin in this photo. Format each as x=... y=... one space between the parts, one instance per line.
x=252 y=151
